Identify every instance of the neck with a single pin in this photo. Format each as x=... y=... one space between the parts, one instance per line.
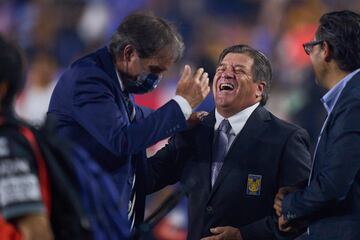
x=333 y=76
x=229 y=112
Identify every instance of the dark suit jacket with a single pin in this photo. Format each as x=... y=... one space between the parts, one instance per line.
x=267 y=146
x=332 y=199
x=90 y=109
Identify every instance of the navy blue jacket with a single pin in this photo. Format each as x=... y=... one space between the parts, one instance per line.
x=276 y=153
x=331 y=202
x=90 y=109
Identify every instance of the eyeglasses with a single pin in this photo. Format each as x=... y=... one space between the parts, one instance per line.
x=309 y=45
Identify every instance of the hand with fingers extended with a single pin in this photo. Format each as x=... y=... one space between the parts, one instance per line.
x=224 y=233
x=194 y=88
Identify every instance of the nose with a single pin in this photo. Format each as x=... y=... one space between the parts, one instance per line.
x=228 y=73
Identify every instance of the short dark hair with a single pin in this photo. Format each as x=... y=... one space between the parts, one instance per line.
x=341 y=30
x=11 y=70
x=261 y=68
x=148 y=34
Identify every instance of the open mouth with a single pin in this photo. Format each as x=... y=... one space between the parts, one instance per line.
x=226 y=87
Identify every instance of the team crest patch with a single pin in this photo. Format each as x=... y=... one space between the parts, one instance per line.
x=253 y=184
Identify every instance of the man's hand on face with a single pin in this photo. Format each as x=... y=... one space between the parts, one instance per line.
x=224 y=233
x=194 y=88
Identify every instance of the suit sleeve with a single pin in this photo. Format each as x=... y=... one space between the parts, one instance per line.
x=296 y=159
x=96 y=111
x=166 y=166
x=332 y=183
x=294 y=167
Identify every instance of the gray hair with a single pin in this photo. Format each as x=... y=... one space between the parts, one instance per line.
x=148 y=34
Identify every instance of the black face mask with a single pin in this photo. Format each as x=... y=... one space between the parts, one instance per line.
x=144 y=82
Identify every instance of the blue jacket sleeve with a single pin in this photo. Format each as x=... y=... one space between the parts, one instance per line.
x=96 y=110
x=340 y=165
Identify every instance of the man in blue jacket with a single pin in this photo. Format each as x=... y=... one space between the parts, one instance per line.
x=94 y=107
x=330 y=203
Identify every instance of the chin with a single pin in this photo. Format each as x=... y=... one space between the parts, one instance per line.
x=222 y=104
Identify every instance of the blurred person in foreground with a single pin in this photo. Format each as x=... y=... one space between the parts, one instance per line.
x=234 y=161
x=33 y=102
x=23 y=213
x=330 y=203
x=94 y=107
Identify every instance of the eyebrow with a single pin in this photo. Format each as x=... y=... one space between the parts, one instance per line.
x=239 y=65
x=157 y=69
x=235 y=66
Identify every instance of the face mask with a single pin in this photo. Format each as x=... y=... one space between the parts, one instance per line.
x=145 y=82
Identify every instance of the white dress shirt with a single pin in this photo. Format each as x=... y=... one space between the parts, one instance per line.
x=236 y=121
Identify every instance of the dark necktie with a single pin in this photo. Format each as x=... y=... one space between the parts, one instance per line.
x=131 y=208
x=221 y=142
x=129 y=106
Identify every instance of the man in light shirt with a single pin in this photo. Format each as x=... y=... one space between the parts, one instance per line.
x=233 y=162
x=330 y=203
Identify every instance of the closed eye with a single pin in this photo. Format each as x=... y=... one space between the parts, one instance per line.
x=156 y=69
x=220 y=68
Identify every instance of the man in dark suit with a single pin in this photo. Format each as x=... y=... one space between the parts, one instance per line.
x=330 y=203
x=234 y=161
x=94 y=107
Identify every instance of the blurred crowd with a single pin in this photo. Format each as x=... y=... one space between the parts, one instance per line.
x=53 y=33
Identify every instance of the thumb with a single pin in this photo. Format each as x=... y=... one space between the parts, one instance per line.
x=216 y=230
x=186 y=73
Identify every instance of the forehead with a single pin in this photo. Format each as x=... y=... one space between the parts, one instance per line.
x=238 y=59
x=163 y=59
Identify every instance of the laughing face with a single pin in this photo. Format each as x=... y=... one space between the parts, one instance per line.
x=233 y=87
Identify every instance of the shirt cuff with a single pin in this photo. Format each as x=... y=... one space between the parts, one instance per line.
x=286 y=206
x=184 y=106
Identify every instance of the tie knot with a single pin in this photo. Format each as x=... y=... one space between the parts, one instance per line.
x=225 y=126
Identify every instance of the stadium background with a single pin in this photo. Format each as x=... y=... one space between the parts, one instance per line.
x=53 y=33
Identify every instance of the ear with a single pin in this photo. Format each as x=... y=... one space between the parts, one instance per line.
x=326 y=51
x=128 y=53
x=260 y=88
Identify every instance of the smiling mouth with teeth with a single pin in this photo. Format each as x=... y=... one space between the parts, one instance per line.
x=226 y=87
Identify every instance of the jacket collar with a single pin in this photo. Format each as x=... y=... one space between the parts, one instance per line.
x=106 y=60
x=249 y=135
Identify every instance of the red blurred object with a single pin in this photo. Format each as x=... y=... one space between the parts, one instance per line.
x=166 y=231
x=292 y=45
x=151 y=100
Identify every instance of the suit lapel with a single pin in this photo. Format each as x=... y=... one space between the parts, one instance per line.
x=354 y=82
x=109 y=67
x=205 y=140
x=248 y=136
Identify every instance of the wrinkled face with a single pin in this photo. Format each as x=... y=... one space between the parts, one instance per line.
x=156 y=65
x=131 y=65
x=233 y=85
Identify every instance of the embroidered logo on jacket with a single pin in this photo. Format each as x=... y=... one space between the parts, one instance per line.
x=253 y=184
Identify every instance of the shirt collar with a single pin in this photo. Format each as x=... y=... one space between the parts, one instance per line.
x=119 y=79
x=330 y=98
x=238 y=120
